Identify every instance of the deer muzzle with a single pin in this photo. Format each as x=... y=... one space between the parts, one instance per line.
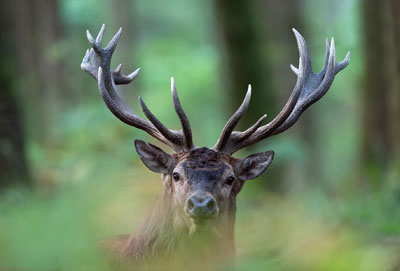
x=201 y=206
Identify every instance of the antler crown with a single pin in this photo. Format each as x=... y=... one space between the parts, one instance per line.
x=309 y=88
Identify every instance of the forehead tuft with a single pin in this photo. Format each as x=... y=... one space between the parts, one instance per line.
x=204 y=158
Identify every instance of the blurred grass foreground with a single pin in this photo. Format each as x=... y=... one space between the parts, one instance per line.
x=69 y=175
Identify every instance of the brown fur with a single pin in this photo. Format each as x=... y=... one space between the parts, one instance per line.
x=204 y=158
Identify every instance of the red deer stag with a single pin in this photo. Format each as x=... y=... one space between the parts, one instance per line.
x=200 y=184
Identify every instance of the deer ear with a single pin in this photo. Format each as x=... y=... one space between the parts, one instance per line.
x=254 y=165
x=153 y=157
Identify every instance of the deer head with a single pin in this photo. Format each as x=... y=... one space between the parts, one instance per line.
x=203 y=182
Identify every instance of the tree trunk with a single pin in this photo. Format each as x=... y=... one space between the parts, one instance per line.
x=13 y=164
x=381 y=110
x=244 y=57
x=123 y=16
x=36 y=27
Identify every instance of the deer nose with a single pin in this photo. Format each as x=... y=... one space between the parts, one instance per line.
x=201 y=205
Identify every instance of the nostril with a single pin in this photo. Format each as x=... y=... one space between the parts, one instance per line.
x=211 y=205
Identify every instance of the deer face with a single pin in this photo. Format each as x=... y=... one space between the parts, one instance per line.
x=203 y=183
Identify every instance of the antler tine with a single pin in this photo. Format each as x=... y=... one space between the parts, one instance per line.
x=232 y=122
x=327 y=53
x=167 y=133
x=97 y=63
x=124 y=79
x=187 y=131
x=245 y=134
x=343 y=64
x=100 y=35
x=309 y=88
x=92 y=41
x=113 y=42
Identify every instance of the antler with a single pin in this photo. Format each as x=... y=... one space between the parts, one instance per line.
x=97 y=63
x=309 y=88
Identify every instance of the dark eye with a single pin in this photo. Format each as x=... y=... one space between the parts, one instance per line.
x=176 y=176
x=229 y=180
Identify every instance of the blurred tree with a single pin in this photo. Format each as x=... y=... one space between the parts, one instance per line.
x=279 y=17
x=37 y=27
x=13 y=164
x=244 y=56
x=381 y=97
x=47 y=32
x=123 y=16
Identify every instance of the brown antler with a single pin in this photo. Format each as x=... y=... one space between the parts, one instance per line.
x=309 y=88
x=97 y=63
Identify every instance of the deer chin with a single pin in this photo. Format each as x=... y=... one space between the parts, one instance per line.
x=203 y=226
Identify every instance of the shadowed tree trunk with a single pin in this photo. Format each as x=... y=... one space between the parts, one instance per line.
x=30 y=30
x=13 y=164
x=47 y=33
x=123 y=16
x=395 y=104
x=49 y=67
x=381 y=110
x=245 y=60
x=37 y=30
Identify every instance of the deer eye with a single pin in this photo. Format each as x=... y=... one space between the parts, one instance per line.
x=229 y=180
x=176 y=177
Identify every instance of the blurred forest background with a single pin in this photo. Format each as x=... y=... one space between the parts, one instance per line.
x=69 y=174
